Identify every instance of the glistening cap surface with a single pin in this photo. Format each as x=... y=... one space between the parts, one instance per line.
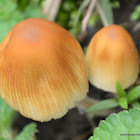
x=42 y=70
x=112 y=56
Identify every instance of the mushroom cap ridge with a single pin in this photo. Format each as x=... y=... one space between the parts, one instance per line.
x=42 y=70
x=111 y=57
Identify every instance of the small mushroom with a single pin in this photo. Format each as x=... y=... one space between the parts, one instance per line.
x=111 y=57
x=42 y=70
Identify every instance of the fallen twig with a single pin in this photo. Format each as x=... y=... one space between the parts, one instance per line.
x=51 y=8
x=88 y=15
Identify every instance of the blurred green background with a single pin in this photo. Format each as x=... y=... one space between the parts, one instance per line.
x=70 y=13
x=14 y=11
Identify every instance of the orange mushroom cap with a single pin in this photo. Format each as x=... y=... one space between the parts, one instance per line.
x=111 y=57
x=42 y=70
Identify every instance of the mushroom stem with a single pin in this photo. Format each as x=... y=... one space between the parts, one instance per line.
x=86 y=103
x=83 y=105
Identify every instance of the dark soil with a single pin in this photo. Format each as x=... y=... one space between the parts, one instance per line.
x=75 y=126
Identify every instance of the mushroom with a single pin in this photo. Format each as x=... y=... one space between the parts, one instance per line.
x=111 y=57
x=42 y=70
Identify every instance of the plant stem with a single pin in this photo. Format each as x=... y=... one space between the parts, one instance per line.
x=101 y=13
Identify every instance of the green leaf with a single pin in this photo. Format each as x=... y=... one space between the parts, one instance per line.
x=138 y=8
x=120 y=90
x=3 y=138
x=6 y=8
x=136 y=104
x=22 y=4
x=134 y=16
x=91 y=138
x=6 y=115
x=122 y=96
x=115 y=4
x=68 y=6
x=105 y=10
x=27 y=133
x=133 y=94
x=9 y=16
x=93 y=20
x=33 y=11
x=105 y=104
x=123 y=102
x=123 y=126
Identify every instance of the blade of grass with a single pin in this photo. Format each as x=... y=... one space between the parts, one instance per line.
x=27 y=133
x=133 y=94
x=123 y=102
x=105 y=11
x=105 y=104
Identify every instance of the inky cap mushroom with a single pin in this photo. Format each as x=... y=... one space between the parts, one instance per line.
x=112 y=56
x=42 y=70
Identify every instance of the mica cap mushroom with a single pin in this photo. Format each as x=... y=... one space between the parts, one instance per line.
x=111 y=57
x=42 y=70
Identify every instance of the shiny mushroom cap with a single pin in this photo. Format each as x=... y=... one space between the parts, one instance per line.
x=42 y=70
x=111 y=57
